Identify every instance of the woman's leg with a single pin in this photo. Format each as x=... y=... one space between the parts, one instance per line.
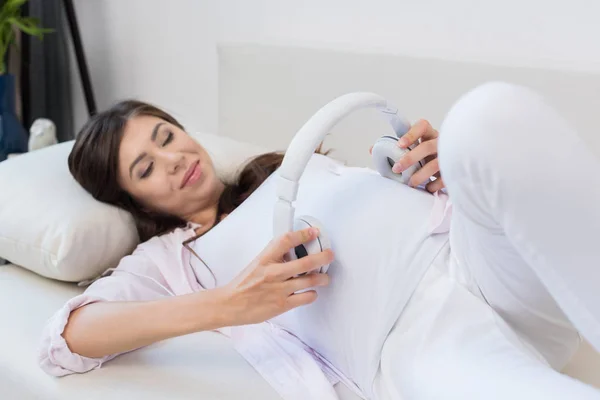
x=526 y=215
x=450 y=345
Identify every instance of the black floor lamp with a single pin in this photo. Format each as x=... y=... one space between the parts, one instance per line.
x=86 y=82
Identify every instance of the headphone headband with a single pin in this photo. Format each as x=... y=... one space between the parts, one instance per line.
x=308 y=138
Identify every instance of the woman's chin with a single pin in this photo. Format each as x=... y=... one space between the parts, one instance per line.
x=206 y=187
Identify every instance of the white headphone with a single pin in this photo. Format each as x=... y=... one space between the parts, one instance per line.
x=385 y=153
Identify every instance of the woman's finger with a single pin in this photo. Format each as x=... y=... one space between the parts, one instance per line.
x=306 y=281
x=300 y=299
x=415 y=155
x=282 y=245
x=422 y=175
x=305 y=264
x=436 y=185
x=422 y=129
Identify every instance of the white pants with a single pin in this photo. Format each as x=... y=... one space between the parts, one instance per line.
x=524 y=276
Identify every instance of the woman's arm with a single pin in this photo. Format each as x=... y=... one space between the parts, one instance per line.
x=120 y=313
x=87 y=322
x=100 y=329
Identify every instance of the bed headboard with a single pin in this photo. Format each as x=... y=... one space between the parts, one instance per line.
x=266 y=93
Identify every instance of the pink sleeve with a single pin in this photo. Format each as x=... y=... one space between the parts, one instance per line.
x=136 y=278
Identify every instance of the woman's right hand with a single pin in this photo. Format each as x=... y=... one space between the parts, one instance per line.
x=268 y=286
x=265 y=289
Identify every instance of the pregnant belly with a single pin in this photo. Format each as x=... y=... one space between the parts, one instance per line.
x=378 y=232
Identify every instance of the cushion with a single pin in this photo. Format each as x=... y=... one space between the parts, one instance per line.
x=53 y=227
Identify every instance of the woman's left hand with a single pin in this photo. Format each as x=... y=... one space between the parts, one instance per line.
x=425 y=151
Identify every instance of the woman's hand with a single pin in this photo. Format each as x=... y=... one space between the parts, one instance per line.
x=426 y=151
x=268 y=286
x=265 y=289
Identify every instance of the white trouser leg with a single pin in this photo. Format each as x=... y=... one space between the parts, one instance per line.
x=449 y=345
x=526 y=215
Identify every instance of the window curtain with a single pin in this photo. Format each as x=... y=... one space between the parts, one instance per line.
x=43 y=70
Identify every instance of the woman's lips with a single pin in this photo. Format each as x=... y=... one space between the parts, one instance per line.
x=192 y=175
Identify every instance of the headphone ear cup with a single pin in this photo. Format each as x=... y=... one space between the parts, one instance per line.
x=314 y=246
x=385 y=154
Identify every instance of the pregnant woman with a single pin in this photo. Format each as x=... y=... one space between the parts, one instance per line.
x=407 y=310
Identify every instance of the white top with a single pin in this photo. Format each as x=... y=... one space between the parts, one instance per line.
x=380 y=234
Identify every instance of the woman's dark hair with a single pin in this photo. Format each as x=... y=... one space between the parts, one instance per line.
x=93 y=162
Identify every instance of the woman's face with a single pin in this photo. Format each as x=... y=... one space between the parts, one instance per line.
x=164 y=169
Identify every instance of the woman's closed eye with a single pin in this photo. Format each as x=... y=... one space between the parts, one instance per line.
x=168 y=139
x=146 y=173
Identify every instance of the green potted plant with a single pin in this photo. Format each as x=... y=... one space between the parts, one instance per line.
x=13 y=138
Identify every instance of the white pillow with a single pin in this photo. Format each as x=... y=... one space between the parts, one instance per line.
x=51 y=226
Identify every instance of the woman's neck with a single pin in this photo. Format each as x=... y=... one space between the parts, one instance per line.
x=208 y=214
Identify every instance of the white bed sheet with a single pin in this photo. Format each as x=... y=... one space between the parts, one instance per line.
x=202 y=365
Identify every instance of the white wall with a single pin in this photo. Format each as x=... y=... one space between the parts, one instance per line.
x=164 y=51
x=541 y=33
x=154 y=50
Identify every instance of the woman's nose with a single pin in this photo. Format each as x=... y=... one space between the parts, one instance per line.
x=173 y=161
x=176 y=165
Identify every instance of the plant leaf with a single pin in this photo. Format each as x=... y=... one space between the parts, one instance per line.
x=11 y=21
x=35 y=23
x=7 y=36
x=15 y=3
x=12 y=7
x=26 y=26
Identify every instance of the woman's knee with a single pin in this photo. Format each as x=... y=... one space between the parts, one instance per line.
x=487 y=125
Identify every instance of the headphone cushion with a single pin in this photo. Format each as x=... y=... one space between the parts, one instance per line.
x=386 y=153
x=314 y=246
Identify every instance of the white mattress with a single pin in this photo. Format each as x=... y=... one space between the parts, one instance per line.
x=202 y=365
x=199 y=366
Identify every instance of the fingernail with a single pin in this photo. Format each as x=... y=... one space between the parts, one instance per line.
x=397 y=168
x=314 y=231
x=402 y=142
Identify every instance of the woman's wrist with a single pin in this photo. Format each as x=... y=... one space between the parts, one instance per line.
x=207 y=310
